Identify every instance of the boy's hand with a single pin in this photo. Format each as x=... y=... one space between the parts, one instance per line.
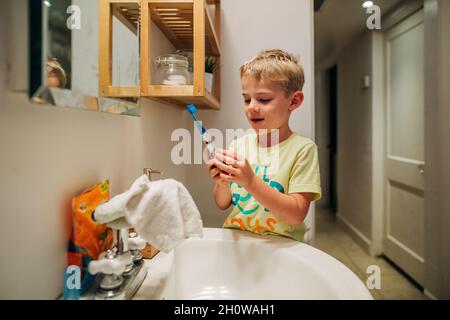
x=234 y=167
x=214 y=172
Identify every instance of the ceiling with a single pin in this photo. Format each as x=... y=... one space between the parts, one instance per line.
x=338 y=22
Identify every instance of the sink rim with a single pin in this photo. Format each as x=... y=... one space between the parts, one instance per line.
x=335 y=273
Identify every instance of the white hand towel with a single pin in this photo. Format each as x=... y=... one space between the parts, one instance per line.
x=120 y=223
x=116 y=207
x=164 y=214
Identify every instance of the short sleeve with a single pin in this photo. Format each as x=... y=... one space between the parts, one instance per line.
x=305 y=174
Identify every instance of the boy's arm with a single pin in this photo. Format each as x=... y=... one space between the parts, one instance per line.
x=291 y=208
x=222 y=189
x=222 y=195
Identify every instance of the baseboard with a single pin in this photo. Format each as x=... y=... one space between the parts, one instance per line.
x=361 y=239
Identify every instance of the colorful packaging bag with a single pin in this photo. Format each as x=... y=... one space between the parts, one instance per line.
x=88 y=238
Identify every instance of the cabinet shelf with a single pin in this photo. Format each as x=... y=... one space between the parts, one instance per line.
x=176 y=21
x=128 y=15
x=187 y=24
x=163 y=94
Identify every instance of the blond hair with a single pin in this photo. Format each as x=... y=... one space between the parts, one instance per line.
x=277 y=66
x=55 y=69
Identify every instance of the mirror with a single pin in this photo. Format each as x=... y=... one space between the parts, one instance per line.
x=64 y=57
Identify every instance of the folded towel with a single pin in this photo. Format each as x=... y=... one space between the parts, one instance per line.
x=120 y=223
x=116 y=207
x=162 y=212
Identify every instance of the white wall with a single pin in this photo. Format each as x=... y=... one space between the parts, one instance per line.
x=50 y=154
x=322 y=115
x=354 y=156
x=248 y=27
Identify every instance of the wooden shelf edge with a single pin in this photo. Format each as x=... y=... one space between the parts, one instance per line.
x=208 y=101
x=215 y=104
x=170 y=1
x=168 y=91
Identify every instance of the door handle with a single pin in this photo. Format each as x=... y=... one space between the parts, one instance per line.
x=421 y=169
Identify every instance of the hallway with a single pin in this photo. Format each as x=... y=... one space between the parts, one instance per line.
x=332 y=239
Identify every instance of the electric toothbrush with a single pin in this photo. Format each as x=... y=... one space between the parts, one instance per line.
x=210 y=146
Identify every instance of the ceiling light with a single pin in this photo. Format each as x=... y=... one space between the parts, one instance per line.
x=367 y=4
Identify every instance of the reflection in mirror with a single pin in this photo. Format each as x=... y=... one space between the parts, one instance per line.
x=64 y=56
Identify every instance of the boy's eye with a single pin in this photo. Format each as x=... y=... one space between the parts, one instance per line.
x=263 y=101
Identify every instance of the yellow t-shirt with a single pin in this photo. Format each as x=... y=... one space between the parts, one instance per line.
x=291 y=166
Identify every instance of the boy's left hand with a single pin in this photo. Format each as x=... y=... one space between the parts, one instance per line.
x=234 y=168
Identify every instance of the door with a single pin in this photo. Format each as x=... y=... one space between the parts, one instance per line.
x=404 y=162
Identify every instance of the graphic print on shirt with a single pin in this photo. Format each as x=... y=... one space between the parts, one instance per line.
x=247 y=205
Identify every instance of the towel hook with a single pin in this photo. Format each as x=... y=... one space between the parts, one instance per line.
x=148 y=172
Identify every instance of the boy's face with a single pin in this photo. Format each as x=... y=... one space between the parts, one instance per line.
x=53 y=81
x=266 y=105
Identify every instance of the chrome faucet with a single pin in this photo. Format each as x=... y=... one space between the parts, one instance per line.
x=120 y=269
x=120 y=272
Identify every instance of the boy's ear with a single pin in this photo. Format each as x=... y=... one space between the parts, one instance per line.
x=296 y=100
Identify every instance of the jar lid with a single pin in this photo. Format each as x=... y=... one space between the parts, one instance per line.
x=168 y=59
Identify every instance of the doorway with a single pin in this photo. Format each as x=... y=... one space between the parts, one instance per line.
x=333 y=138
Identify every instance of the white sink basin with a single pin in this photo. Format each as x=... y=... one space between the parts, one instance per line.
x=232 y=264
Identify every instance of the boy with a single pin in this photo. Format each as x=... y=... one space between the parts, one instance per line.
x=272 y=194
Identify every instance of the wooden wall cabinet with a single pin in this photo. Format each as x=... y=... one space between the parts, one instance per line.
x=187 y=24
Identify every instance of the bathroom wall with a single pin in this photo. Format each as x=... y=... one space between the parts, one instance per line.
x=354 y=156
x=247 y=28
x=359 y=138
x=322 y=125
x=50 y=154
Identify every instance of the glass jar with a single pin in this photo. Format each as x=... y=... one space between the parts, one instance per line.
x=172 y=70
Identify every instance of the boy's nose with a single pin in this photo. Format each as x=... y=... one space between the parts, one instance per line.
x=253 y=106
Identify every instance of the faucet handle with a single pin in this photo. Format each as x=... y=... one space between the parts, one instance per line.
x=135 y=242
x=110 y=263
